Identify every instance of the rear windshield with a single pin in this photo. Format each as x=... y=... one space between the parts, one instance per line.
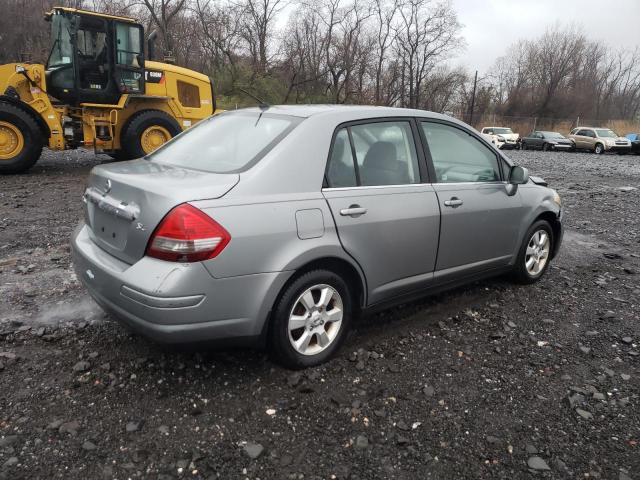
x=227 y=143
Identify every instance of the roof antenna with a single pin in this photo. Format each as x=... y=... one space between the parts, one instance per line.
x=261 y=103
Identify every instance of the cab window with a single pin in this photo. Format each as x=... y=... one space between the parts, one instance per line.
x=128 y=45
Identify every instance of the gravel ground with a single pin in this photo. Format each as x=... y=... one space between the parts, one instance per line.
x=491 y=380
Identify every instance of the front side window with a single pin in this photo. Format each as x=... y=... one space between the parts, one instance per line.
x=226 y=143
x=459 y=157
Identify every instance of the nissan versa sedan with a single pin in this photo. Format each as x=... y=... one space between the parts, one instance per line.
x=276 y=226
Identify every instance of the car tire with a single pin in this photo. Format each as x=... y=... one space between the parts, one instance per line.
x=535 y=252
x=598 y=149
x=142 y=129
x=545 y=147
x=523 y=146
x=22 y=140
x=314 y=308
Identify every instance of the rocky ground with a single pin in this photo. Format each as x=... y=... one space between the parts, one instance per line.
x=491 y=380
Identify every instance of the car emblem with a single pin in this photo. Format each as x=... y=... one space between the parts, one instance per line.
x=140 y=226
x=107 y=187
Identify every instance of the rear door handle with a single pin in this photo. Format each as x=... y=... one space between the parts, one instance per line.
x=353 y=211
x=454 y=202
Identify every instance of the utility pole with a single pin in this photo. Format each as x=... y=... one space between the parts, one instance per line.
x=473 y=99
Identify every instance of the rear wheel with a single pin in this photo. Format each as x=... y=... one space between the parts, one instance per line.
x=147 y=131
x=311 y=319
x=523 y=146
x=21 y=140
x=535 y=253
x=599 y=149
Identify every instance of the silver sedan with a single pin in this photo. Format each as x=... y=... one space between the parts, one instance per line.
x=278 y=225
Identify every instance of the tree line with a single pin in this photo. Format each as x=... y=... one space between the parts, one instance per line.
x=383 y=52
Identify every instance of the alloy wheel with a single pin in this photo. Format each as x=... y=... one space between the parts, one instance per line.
x=537 y=254
x=315 y=319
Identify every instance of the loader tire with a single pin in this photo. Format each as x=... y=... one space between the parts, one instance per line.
x=146 y=131
x=21 y=140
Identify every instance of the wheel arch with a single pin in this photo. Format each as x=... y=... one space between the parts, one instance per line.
x=29 y=110
x=347 y=270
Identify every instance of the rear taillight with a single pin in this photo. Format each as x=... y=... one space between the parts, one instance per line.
x=187 y=234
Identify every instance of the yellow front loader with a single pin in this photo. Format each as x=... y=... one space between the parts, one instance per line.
x=96 y=91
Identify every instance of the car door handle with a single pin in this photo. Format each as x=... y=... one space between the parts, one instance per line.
x=454 y=202
x=353 y=211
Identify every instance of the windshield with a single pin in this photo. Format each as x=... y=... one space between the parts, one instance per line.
x=502 y=131
x=606 y=133
x=553 y=135
x=61 y=51
x=227 y=143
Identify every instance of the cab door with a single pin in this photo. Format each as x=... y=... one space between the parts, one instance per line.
x=129 y=57
x=480 y=220
x=387 y=216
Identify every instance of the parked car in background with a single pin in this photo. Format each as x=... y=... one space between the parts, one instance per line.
x=541 y=140
x=599 y=140
x=502 y=137
x=297 y=218
x=634 y=138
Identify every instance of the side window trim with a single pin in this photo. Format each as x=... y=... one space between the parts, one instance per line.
x=432 y=171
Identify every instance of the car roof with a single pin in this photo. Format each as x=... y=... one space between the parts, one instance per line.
x=357 y=111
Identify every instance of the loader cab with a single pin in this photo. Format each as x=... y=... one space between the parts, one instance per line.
x=94 y=58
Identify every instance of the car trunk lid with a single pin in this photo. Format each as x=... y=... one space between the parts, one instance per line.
x=124 y=202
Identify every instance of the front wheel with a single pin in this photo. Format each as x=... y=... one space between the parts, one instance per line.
x=599 y=149
x=310 y=320
x=535 y=253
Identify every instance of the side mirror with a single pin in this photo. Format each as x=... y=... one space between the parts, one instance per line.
x=518 y=175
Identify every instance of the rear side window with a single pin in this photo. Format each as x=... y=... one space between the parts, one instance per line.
x=341 y=171
x=226 y=143
x=385 y=154
x=459 y=157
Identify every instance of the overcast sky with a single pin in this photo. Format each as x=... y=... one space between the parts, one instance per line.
x=490 y=26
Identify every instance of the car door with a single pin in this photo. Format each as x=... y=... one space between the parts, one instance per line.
x=386 y=214
x=480 y=218
x=536 y=140
x=579 y=138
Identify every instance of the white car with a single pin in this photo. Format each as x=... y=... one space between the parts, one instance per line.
x=502 y=137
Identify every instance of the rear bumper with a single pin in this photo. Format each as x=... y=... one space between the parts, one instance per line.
x=176 y=303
